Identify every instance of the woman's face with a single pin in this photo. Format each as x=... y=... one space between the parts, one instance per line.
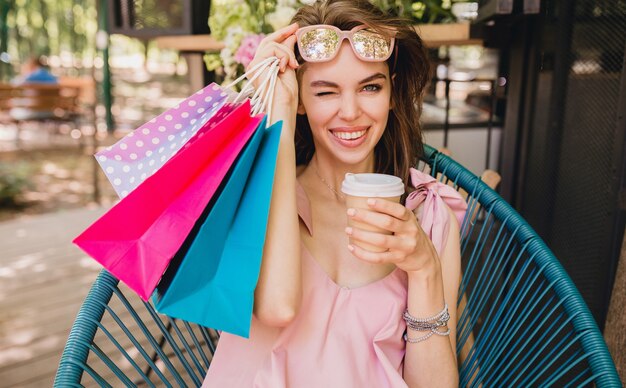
x=347 y=103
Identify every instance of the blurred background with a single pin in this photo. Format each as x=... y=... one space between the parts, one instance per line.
x=529 y=94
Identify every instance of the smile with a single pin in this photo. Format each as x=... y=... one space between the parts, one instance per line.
x=349 y=135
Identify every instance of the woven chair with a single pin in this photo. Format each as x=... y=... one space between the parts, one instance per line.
x=521 y=320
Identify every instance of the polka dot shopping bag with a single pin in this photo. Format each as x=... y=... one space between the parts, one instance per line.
x=142 y=152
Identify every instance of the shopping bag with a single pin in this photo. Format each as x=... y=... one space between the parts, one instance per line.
x=136 y=239
x=213 y=285
x=142 y=152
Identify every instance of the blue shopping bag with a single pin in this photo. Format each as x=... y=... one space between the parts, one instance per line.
x=213 y=283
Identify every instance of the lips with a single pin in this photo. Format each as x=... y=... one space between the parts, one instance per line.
x=350 y=136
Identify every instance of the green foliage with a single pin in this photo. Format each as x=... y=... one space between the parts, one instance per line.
x=62 y=28
x=224 y=15
x=158 y=13
x=424 y=11
x=13 y=181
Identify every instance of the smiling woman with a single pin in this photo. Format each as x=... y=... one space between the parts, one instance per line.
x=328 y=311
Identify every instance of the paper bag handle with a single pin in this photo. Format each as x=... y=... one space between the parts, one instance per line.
x=263 y=97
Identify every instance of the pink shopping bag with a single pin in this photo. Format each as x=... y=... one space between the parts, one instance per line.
x=136 y=239
x=142 y=152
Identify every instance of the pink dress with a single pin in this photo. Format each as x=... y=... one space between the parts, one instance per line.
x=341 y=337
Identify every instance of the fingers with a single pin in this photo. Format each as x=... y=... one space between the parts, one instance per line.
x=279 y=44
x=285 y=53
x=281 y=34
x=290 y=43
x=285 y=56
x=383 y=221
x=393 y=209
x=373 y=257
x=384 y=241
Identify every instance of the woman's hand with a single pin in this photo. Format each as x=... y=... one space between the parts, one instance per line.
x=280 y=44
x=408 y=247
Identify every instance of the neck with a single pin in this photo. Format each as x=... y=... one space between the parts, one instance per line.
x=331 y=173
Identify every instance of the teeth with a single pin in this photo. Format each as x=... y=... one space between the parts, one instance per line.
x=349 y=135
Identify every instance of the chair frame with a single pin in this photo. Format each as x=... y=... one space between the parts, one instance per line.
x=531 y=286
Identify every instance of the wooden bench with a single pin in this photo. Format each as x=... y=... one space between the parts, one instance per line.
x=49 y=104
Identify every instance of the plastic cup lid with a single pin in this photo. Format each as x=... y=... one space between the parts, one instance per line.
x=372 y=185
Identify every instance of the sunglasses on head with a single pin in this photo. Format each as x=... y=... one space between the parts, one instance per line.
x=320 y=43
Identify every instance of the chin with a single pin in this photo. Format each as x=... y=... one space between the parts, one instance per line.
x=353 y=158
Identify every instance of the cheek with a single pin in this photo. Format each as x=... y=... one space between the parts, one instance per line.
x=318 y=112
x=380 y=109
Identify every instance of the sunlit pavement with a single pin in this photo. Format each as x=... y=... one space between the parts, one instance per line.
x=43 y=280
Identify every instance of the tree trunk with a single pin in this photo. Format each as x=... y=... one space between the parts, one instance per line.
x=5 y=67
x=43 y=8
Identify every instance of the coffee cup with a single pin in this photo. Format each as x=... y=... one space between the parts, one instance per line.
x=359 y=187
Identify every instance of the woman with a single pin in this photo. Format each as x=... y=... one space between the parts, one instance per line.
x=328 y=313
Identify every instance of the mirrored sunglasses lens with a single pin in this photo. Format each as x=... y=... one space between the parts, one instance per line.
x=371 y=45
x=318 y=44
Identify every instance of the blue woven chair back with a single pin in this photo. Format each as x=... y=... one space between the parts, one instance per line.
x=521 y=321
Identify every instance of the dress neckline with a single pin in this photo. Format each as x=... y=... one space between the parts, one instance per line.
x=304 y=212
x=336 y=285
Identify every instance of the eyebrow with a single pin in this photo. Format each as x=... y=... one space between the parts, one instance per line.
x=322 y=83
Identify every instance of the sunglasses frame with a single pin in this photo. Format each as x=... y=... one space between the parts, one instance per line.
x=342 y=36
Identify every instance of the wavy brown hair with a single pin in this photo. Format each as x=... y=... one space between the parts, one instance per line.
x=401 y=144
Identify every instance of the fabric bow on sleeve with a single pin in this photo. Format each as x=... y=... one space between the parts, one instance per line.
x=431 y=195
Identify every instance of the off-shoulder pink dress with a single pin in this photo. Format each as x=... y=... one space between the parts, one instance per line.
x=341 y=337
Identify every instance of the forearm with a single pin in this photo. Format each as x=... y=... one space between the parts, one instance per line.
x=279 y=289
x=432 y=362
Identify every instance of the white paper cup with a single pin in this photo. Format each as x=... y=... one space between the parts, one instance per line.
x=359 y=187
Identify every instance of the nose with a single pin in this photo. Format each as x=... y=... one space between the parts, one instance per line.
x=349 y=109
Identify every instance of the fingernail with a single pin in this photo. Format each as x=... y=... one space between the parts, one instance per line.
x=351 y=248
x=371 y=201
x=351 y=212
x=349 y=230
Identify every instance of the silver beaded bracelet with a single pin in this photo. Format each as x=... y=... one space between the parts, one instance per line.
x=425 y=337
x=434 y=317
x=430 y=324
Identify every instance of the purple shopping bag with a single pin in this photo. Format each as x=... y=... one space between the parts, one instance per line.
x=142 y=152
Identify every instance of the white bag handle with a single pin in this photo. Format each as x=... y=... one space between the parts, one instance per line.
x=263 y=97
